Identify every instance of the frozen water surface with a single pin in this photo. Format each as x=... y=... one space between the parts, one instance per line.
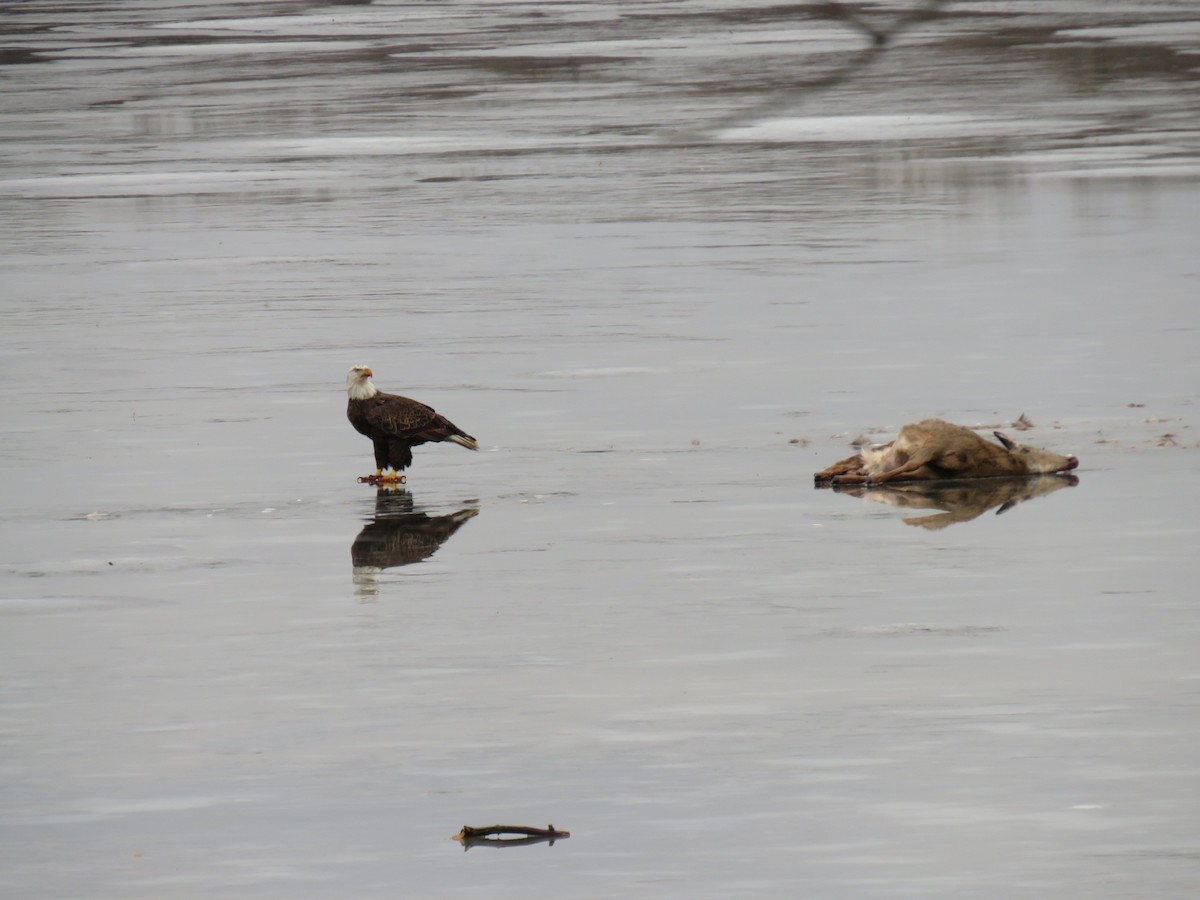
x=665 y=261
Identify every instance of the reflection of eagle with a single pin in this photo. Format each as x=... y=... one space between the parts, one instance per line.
x=399 y=536
x=396 y=424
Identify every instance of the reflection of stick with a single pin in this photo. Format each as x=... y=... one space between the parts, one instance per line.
x=549 y=832
x=505 y=843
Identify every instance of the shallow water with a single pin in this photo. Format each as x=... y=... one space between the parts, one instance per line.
x=664 y=261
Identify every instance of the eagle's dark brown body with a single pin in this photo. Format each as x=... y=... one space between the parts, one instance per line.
x=396 y=424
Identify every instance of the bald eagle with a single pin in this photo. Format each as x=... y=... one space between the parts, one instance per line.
x=396 y=424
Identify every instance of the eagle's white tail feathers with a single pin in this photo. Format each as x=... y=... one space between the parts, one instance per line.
x=462 y=441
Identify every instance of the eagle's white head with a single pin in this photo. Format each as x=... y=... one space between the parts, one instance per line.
x=358 y=383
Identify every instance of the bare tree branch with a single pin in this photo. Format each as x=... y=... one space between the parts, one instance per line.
x=881 y=37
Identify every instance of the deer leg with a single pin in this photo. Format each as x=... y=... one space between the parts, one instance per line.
x=915 y=468
x=851 y=478
x=840 y=470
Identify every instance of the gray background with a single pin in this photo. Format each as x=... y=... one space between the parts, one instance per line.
x=664 y=260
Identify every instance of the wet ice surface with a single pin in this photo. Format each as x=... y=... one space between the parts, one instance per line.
x=637 y=250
